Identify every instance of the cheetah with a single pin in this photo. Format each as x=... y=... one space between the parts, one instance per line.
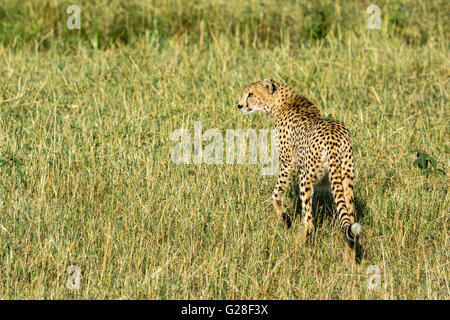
x=317 y=149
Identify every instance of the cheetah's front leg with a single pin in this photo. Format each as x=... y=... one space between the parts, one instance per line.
x=306 y=194
x=286 y=175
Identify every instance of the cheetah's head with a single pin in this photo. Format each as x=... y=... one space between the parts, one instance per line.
x=257 y=96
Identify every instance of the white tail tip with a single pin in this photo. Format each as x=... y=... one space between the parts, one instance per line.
x=356 y=229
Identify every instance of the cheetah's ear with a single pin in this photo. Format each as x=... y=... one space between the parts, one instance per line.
x=269 y=85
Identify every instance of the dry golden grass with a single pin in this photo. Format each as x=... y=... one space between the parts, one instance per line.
x=87 y=178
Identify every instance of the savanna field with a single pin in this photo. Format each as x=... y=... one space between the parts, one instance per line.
x=87 y=178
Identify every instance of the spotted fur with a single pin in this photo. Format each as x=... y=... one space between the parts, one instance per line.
x=318 y=150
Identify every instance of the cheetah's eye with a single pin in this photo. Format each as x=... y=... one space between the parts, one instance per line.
x=249 y=94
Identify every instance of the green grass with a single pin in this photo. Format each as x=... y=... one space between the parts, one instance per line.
x=86 y=176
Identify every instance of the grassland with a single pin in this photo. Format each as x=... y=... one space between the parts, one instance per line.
x=86 y=176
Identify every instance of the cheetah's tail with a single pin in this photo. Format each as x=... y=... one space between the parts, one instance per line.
x=356 y=230
x=351 y=230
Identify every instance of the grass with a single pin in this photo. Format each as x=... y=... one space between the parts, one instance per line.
x=86 y=176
